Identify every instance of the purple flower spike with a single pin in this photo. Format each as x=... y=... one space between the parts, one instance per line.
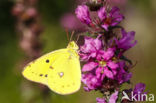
x=127 y=41
x=82 y=13
x=106 y=68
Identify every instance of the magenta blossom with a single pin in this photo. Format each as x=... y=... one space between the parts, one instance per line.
x=111 y=18
x=91 y=48
x=112 y=98
x=106 y=67
x=127 y=41
x=82 y=13
x=103 y=66
x=98 y=59
x=91 y=81
x=99 y=63
x=123 y=75
x=101 y=100
x=139 y=88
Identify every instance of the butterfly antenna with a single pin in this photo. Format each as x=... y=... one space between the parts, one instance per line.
x=72 y=35
x=77 y=38
x=67 y=33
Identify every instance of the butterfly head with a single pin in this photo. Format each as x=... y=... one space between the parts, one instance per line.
x=73 y=45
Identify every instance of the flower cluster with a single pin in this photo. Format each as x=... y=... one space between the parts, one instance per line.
x=105 y=67
x=105 y=19
x=29 y=27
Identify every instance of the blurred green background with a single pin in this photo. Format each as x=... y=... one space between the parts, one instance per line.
x=140 y=17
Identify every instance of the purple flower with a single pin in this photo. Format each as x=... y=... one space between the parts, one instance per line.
x=99 y=63
x=139 y=88
x=82 y=13
x=111 y=18
x=102 y=13
x=103 y=65
x=108 y=69
x=101 y=100
x=127 y=41
x=122 y=75
x=90 y=48
x=112 y=98
x=91 y=81
x=89 y=66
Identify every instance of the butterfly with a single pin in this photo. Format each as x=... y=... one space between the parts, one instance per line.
x=59 y=70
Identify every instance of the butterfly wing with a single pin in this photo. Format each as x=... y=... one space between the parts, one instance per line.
x=65 y=77
x=37 y=70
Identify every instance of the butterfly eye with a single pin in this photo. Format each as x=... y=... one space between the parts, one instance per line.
x=47 y=61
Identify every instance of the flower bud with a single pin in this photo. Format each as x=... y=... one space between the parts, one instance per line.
x=82 y=13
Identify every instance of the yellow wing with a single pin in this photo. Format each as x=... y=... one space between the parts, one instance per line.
x=65 y=77
x=37 y=70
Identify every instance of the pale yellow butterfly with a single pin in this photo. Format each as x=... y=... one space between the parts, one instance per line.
x=59 y=70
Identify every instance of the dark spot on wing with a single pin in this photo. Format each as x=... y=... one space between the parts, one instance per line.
x=46 y=75
x=47 y=61
x=41 y=75
x=51 y=67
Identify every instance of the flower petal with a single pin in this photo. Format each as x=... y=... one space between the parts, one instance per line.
x=102 y=13
x=140 y=87
x=101 y=100
x=108 y=73
x=89 y=66
x=87 y=47
x=113 y=97
x=112 y=65
x=97 y=43
x=98 y=72
x=127 y=41
x=108 y=54
x=82 y=13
